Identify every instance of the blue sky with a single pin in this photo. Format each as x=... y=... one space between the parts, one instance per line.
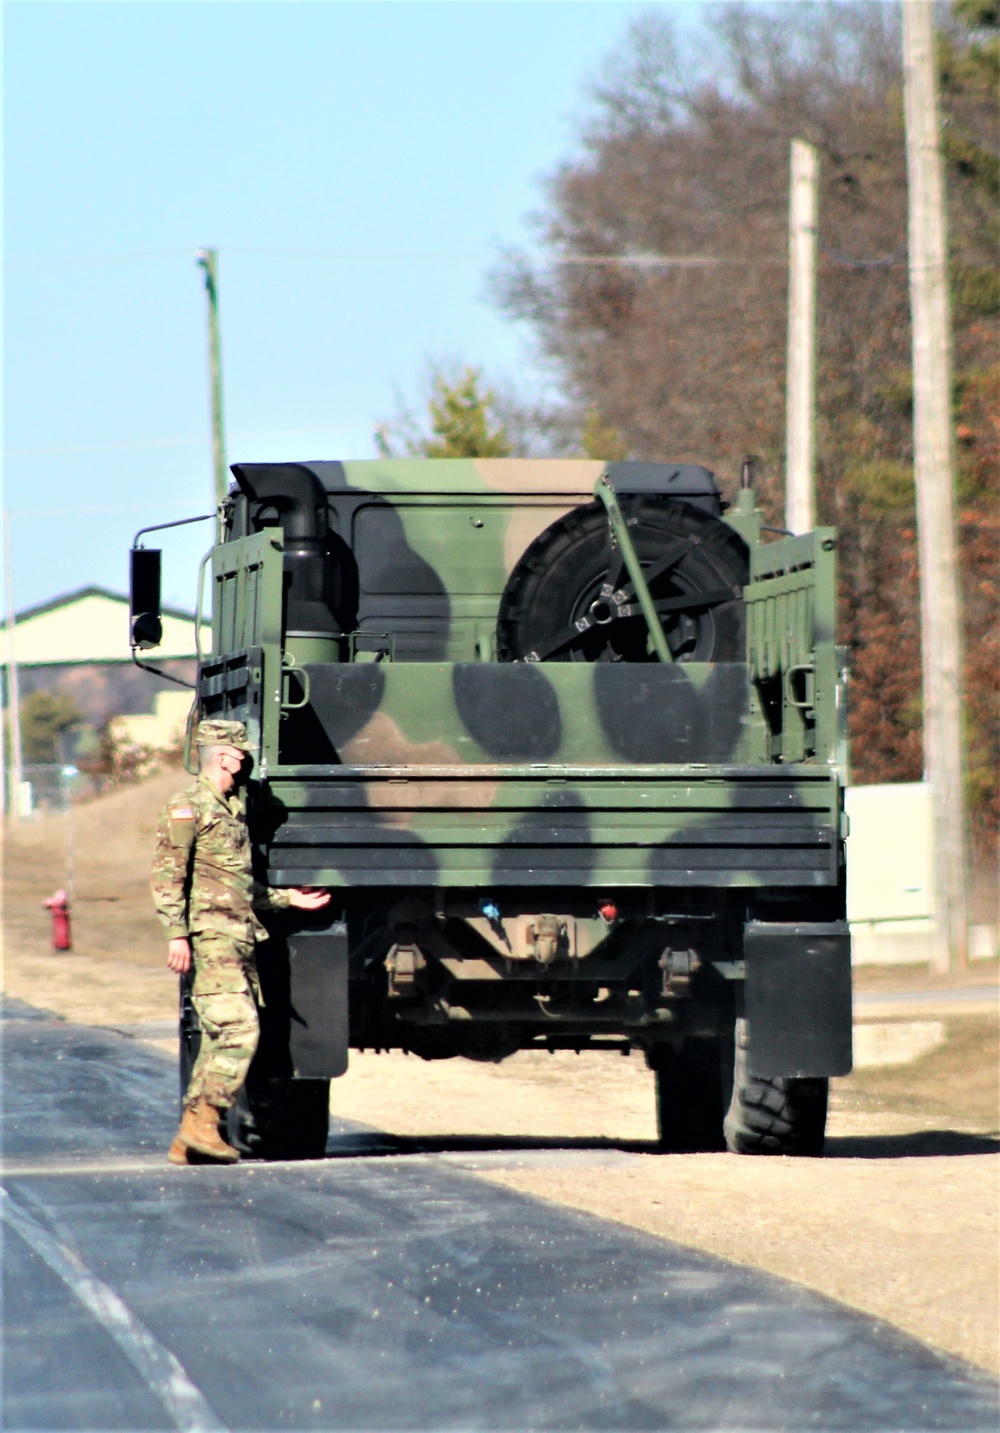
x=358 y=166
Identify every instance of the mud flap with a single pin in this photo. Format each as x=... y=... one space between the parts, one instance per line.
x=798 y=999
x=318 y=997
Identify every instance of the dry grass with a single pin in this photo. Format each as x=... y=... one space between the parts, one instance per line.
x=876 y=978
x=116 y=968
x=112 y=842
x=955 y=1087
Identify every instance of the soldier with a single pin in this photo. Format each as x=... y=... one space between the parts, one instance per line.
x=206 y=897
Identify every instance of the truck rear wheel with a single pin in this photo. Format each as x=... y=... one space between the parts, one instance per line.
x=569 y=599
x=691 y=1096
x=280 y=1118
x=274 y=1117
x=774 y=1116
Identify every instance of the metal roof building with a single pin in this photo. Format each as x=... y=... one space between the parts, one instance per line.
x=78 y=644
x=92 y=625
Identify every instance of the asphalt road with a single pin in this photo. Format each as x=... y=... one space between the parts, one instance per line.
x=381 y=1291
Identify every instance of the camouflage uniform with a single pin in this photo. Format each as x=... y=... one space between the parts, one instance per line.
x=203 y=889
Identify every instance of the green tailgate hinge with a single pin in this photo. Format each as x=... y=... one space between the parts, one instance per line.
x=620 y=535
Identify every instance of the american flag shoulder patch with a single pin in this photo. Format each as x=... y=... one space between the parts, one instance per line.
x=181 y=813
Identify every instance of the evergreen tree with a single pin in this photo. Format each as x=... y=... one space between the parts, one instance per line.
x=462 y=418
x=602 y=440
x=44 y=718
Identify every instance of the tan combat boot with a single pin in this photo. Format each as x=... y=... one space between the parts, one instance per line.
x=178 y=1151
x=199 y=1131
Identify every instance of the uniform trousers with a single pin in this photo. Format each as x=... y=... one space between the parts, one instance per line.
x=224 y=994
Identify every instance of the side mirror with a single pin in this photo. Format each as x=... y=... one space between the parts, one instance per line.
x=144 y=597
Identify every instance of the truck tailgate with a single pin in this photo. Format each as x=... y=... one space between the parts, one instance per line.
x=542 y=825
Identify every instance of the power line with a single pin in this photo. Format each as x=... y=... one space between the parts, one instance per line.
x=388 y=256
x=654 y=261
x=885 y=262
x=76 y=449
x=298 y=433
x=410 y=256
x=339 y=255
x=104 y=510
x=84 y=261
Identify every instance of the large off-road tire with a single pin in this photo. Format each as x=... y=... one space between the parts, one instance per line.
x=280 y=1118
x=553 y=607
x=774 y=1116
x=692 y=1091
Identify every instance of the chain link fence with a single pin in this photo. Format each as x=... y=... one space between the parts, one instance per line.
x=50 y=788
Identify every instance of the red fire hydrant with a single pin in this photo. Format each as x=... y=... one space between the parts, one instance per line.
x=58 y=904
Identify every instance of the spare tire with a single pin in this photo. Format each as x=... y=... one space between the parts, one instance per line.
x=569 y=599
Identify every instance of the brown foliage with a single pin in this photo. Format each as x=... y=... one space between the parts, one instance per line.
x=981 y=573
x=118 y=761
x=885 y=710
x=686 y=359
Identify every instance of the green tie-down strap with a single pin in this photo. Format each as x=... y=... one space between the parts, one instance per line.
x=620 y=533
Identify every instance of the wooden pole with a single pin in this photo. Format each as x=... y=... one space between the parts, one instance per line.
x=940 y=601
x=800 y=400
x=208 y=259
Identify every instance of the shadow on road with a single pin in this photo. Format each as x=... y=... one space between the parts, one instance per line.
x=374 y=1144
x=942 y=1143
x=371 y=1144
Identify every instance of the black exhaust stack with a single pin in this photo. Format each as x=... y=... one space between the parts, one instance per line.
x=291 y=496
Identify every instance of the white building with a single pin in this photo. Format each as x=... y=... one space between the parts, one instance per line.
x=78 y=644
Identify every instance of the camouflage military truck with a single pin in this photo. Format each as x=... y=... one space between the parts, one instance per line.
x=566 y=740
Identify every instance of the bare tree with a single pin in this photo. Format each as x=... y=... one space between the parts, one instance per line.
x=661 y=295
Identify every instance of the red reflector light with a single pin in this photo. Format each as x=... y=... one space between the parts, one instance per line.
x=608 y=910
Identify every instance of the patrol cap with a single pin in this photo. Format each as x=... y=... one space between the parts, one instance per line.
x=222 y=733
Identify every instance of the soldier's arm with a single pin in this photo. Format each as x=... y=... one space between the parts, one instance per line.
x=179 y=955
x=305 y=898
x=175 y=836
x=269 y=898
x=279 y=898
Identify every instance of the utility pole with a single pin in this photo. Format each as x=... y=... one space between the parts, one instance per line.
x=13 y=683
x=6 y=735
x=800 y=398
x=208 y=259
x=940 y=603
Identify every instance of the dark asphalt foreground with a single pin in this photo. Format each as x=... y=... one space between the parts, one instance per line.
x=382 y=1292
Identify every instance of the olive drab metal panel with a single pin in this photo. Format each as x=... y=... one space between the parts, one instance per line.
x=791 y=652
x=247 y=601
x=594 y=828
x=246 y=589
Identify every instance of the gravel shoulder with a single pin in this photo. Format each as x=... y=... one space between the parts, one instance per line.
x=902 y=1220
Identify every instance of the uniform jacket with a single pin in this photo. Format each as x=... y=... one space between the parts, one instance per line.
x=202 y=878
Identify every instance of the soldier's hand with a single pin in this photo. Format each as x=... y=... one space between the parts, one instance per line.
x=304 y=899
x=179 y=955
